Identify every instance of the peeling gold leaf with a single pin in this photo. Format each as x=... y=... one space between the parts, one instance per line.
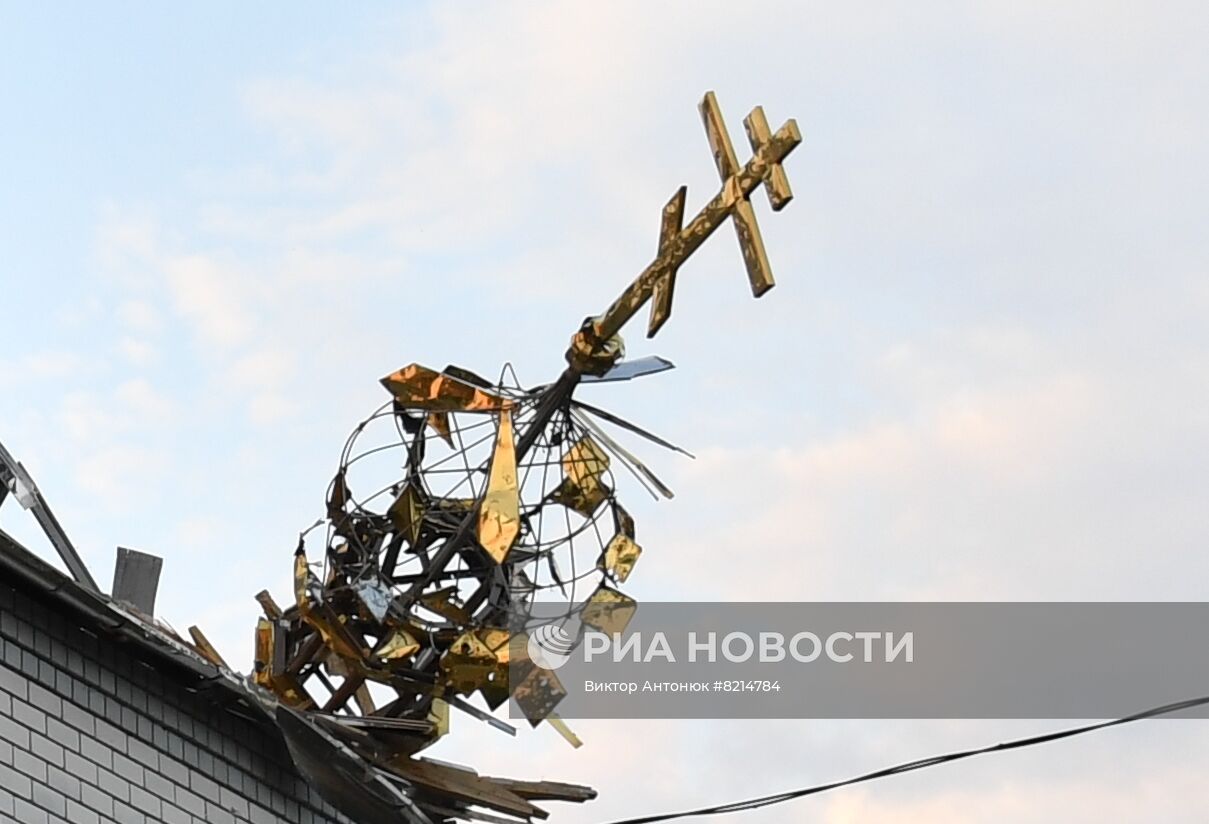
x=418 y=387
x=623 y=521
x=591 y=352
x=585 y=461
x=438 y=714
x=498 y=641
x=584 y=501
x=263 y=661
x=467 y=664
x=538 y=694
x=407 y=513
x=775 y=182
x=398 y=645
x=439 y=421
x=284 y=686
x=441 y=602
x=669 y=230
x=582 y=488
x=338 y=497
x=561 y=727
x=301 y=578
x=609 y=610
x=499 y=516
x=620 y=556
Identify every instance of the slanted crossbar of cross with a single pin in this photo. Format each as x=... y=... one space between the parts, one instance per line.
x=677 y=241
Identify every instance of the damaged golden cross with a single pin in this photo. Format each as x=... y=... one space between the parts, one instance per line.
x=428 y=585
x=593 y=348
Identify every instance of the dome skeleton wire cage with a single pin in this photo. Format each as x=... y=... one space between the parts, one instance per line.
x=562 y=557
x=446 y=454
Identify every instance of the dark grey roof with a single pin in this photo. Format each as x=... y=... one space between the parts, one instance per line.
x=103 y=615
x=357 y=788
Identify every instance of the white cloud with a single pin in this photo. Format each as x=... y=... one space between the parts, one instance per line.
x=41 y=365
x=267 y=408
x=125 y=243
x=138 y=352
x=974 y=490
x=261 y=367
x=120 y=475
x=134 y=405
x=211 y=297
x=144 y=404
x=82 y=417
x=141 y=315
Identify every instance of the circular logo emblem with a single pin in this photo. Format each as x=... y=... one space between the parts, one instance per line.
x=550 y=646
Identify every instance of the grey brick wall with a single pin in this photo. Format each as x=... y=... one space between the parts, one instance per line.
x=92 y=730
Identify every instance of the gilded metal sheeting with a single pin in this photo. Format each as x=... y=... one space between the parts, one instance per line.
x=561 y=727
x=538 y=694
x=776 y=184
x=583 y=499
x=467 y=663
x=478 y=661
x=669 y=230
x=583 y=488
x=264 y=653
x=418 y=387
x=609 y=610
x=620 y=556
x=442 y=603
x=407 y=512
x=439 y=421
x=338 y=497
x=585 y=462
x=499 y=516
x=623 y=521
x=592 y=353
x=335 y=634
x=759 y=272
x=268 y=668
x=499 y=641
x=397 y=646
x=496 y=689
x=302 y=579
x=731 y=202
x=438 y=714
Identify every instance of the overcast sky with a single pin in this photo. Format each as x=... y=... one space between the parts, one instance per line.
x=984 y=372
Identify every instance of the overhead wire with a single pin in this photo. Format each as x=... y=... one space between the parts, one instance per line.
x=919 y=764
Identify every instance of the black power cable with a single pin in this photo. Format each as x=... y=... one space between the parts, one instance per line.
x=911 y=766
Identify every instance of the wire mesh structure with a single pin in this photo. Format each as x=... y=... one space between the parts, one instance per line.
x=376 y=608
x=442 y=468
